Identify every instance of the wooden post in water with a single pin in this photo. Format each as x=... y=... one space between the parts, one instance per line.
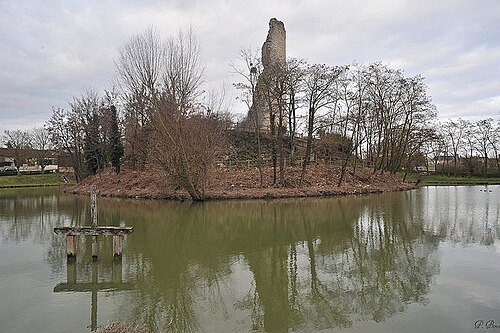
x=93 y=214
x=70 y=246
x=93 y=230
x=117 y=246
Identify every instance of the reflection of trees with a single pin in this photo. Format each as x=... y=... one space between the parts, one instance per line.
x=314 y=264
x=358 y=264
x=31 y=214
x=165 y=278
x=464 y=215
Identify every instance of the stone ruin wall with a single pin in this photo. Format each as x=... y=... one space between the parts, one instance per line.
x=273 y=53
x=274 y=48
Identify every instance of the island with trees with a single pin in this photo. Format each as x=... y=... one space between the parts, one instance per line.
x=311 y=129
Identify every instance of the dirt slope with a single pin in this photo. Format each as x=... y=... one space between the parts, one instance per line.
x=241 y=184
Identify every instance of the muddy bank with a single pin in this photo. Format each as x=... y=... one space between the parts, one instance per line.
x=227 y=184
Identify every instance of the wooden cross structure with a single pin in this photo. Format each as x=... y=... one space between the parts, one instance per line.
x=94 y=231
x=95 y=285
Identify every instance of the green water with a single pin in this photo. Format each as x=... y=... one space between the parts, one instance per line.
x=426 y=260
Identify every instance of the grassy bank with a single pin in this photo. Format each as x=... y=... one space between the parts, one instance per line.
x=49 y=179
x=445 y=180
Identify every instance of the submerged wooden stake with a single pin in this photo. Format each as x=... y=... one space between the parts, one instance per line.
x=93 y=214
x=116 y=271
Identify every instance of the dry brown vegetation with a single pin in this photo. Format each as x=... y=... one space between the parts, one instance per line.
x=228 y=183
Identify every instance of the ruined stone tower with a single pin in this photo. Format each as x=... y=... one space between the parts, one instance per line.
x=274 y=48
x=273 y=56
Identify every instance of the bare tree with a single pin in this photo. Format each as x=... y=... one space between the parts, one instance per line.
x=384 y=95
x=349 y=117
x=469 y=148
x=495 y=144
x=360 y=114
x=20 y=143
x=319 y=82
x=294 y=79
x=188 y=137
x=139 y=65
x=42 y=145
x=140 y=70
x=398 y=109
x=250 y=73
x=483 y=132
x=67 y=134
x=455 y=132
x=161 y=81
x=273 y=84
x=183 y=71
x=186 y=146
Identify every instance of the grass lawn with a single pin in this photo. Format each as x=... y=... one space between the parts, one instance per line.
x=444 y=180
x=49 y=179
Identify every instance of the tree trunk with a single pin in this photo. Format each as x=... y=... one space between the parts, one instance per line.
x=259 y=155
x=310 y=131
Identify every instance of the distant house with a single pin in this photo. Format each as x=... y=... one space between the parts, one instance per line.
x=444 y=159
x=6 y=157
x=29 y=159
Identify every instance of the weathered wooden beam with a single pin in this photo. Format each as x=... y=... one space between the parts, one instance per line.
x=117 y=246
x=70 y=246
x=89 y=286
x=90 y=231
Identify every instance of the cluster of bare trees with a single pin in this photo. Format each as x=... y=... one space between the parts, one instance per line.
x=167 y=117
x=462 y=147
x=87 y=137
x=29 y=145
x=157 y=114
x=86 y=134
x=369 y=114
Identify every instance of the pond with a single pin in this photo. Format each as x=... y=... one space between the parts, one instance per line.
x=426 y=260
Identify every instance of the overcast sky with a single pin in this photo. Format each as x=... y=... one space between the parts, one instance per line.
x=53 y=50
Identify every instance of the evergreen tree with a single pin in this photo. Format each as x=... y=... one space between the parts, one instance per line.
x=115 y=149
x=94 y=157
